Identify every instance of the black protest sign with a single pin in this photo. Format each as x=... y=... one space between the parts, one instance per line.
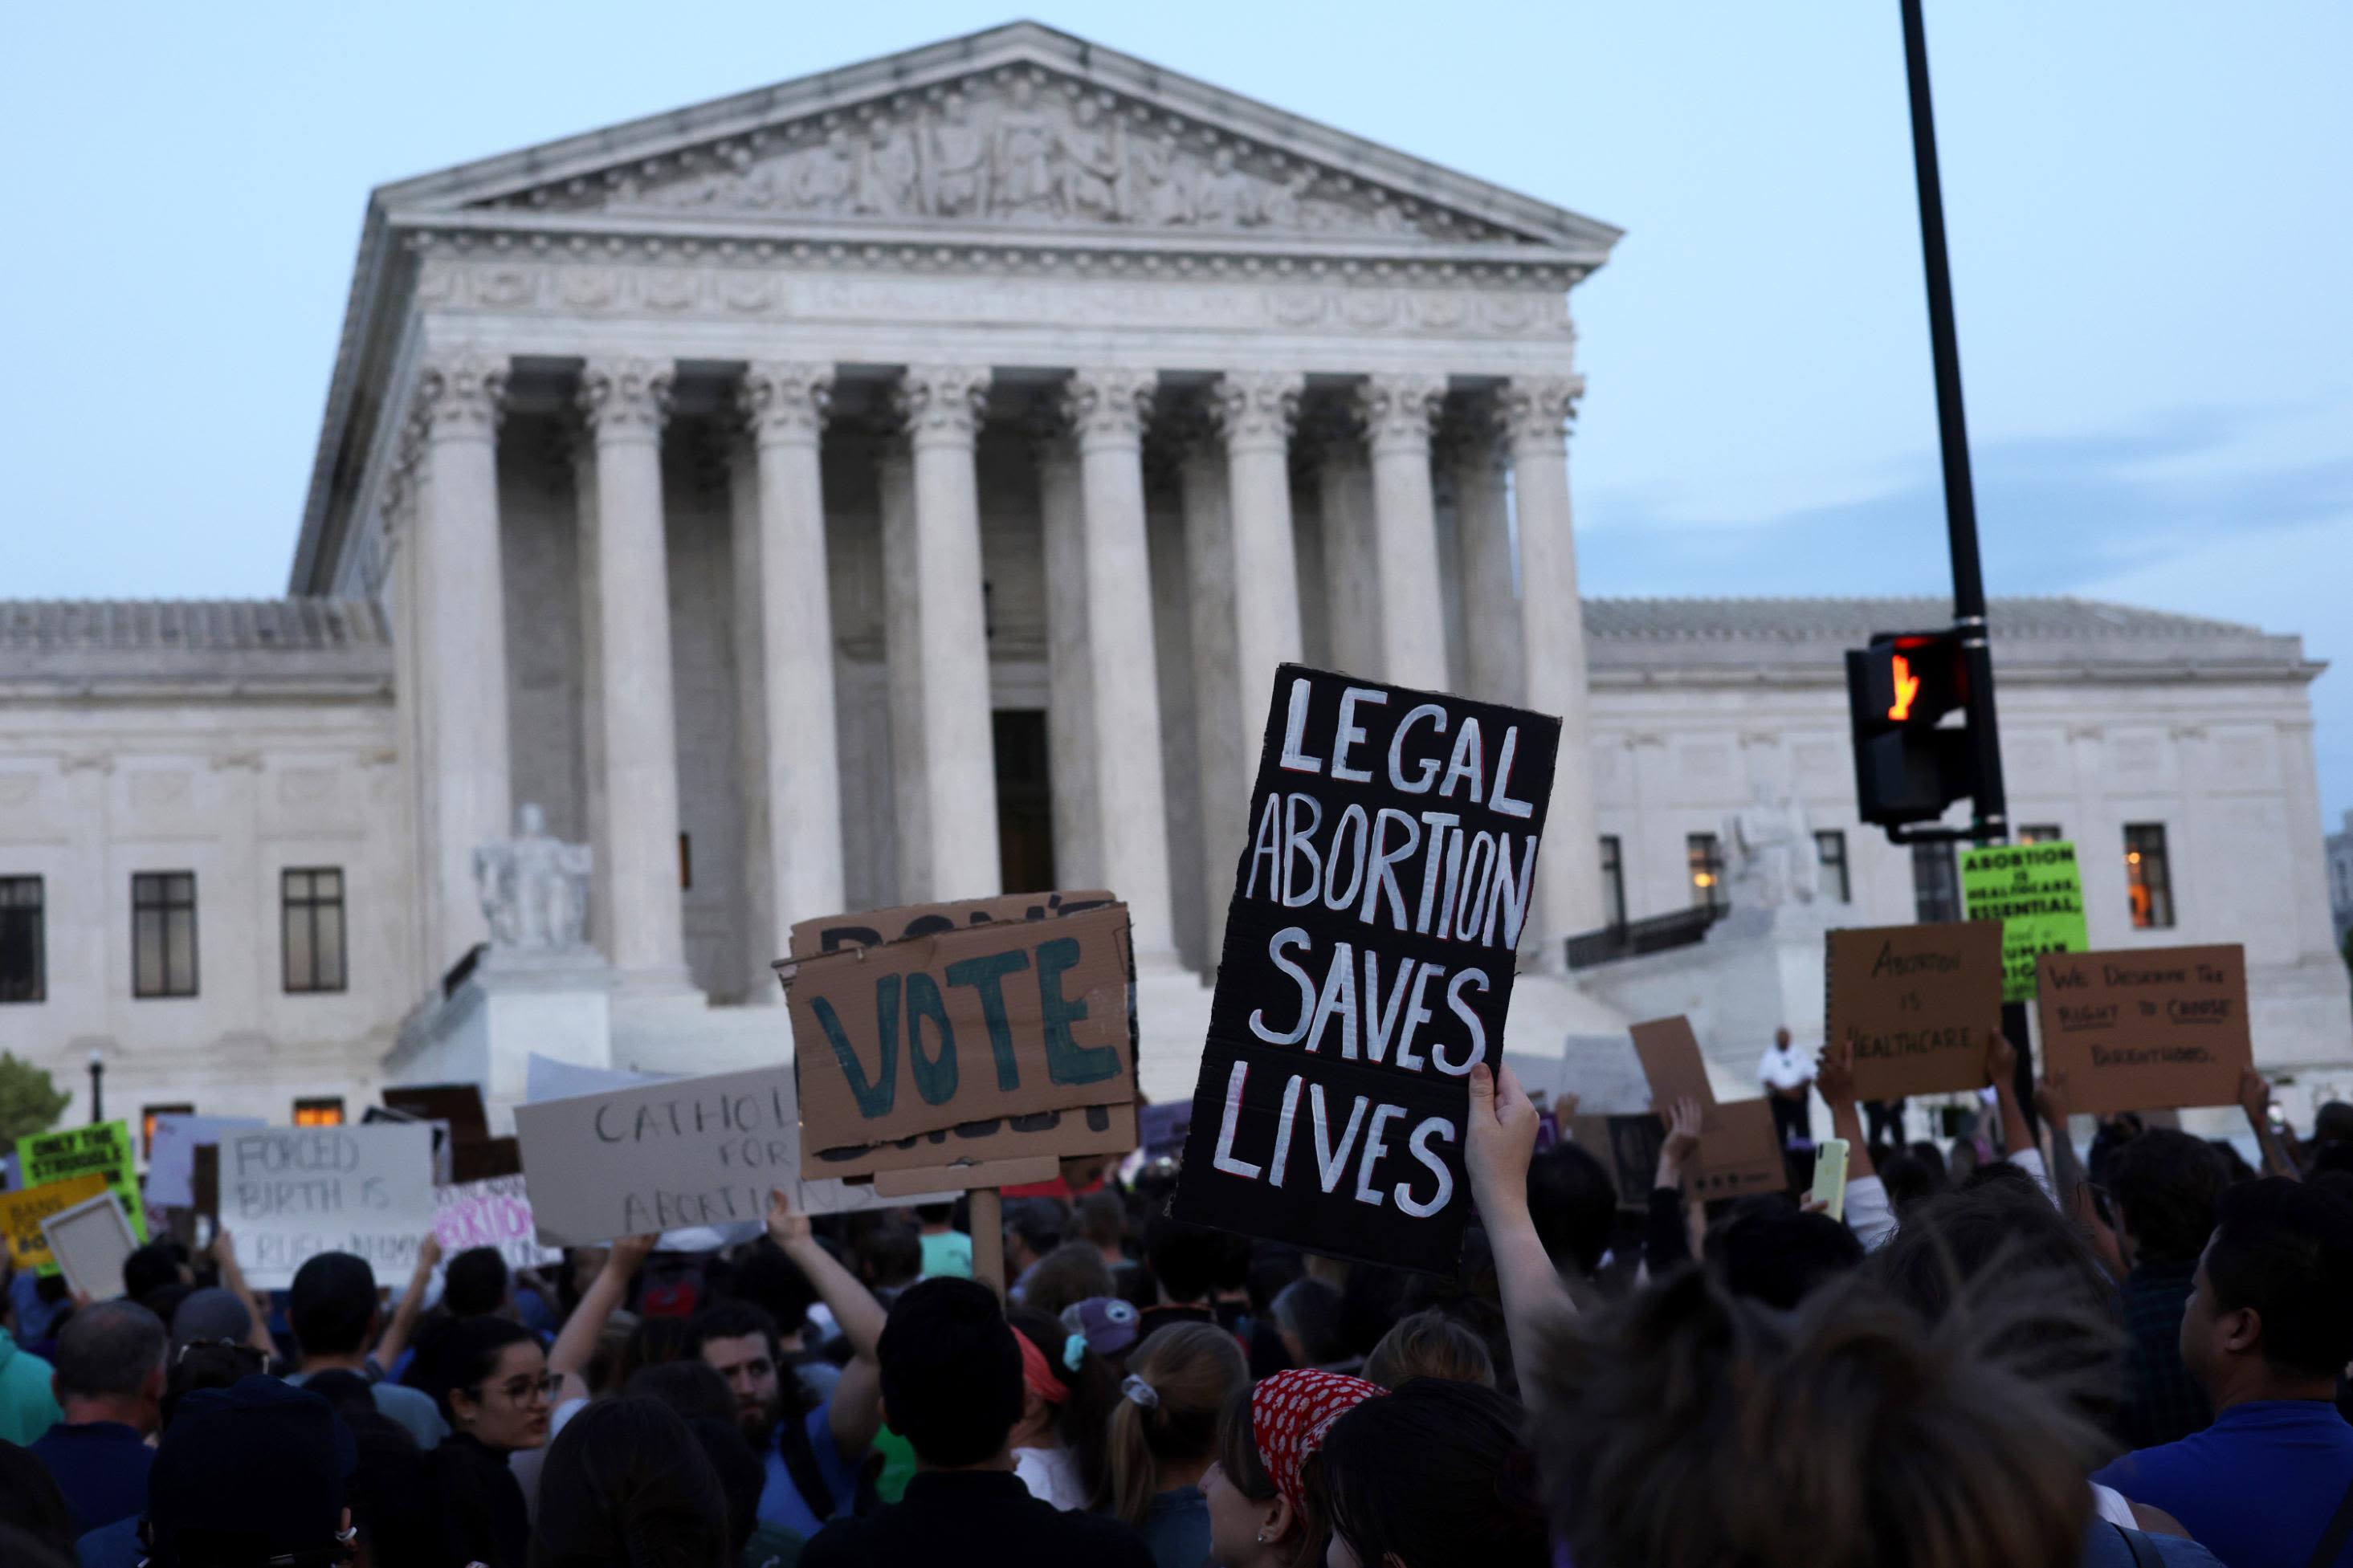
x=1369 y=952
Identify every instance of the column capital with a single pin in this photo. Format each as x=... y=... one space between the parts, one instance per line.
x=1109 y=406
x=941 y=404
x=461 y=395
x=1257 y=408
x=623 y=397
x=1533 y=410
x=785 y=400
x=1398 y=410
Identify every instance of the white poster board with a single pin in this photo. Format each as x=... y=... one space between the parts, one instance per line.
x=685 y=1152
x=172 y=1154
x=90 y=1242
x=491 y=1212
x=287 y=1194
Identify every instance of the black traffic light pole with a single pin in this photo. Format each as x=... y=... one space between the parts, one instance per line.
x=1991 y=805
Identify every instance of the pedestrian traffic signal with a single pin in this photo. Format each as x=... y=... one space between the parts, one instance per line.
x=1908 y=764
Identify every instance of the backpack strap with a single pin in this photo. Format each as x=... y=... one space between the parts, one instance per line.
x=2340 y=1527
x=2144 y=1551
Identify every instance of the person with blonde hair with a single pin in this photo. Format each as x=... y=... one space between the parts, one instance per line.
x=1429 y=1345
x=1164 y=1438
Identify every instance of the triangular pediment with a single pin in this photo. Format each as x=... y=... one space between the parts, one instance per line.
x=1020 y=129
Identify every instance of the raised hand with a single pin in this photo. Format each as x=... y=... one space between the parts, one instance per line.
x=1834 y=1074
x=629 y=1252
x=2001 y=1059
x=2051 y=1097
x=2254 y=1094
x=1500 y=1141
x=786 y=1225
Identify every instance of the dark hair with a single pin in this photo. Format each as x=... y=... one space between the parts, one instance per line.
x=462 y=1353
x=1436 y=1473
x=1309 y=1311
x=741 y=1476
x=1184 y=1258
x=1429 y=1343
x=626 y=1483
x=394 y=1504
x=2235 y=1168
x=1774 y=1252
x=331 y=1305
x=1191 y=1371
x=689 y=1387
x=950 y=1372
x=1038 y=1222
x=769 y=1280
x=935 y=1213
x=652 y=1342
x=31 y=1501
x=2167 y=1182
x=890 y=1256
x=207 y=1364
x=1083 y=1421
x=1573 y=1205
x=111 y=1348
x=1067 y=1276
x=1239 y=1460
x=1885 y=1429
x=1102 y=1218
x=2285 y=1251
x=475 y=1284
x=151 y=1267
x=1909 y=1180
x=734 y=1321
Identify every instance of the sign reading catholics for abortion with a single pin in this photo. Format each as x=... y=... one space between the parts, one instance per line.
x=1367 y=968
x=2148 y=1028
x=2036 y=891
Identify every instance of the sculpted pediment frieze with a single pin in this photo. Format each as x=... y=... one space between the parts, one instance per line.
x=1018 y=149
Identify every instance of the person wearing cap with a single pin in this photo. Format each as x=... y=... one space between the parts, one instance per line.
x=109 y=1385
x=250 y=1475
x=1110 y=1325
x=1263 y=1512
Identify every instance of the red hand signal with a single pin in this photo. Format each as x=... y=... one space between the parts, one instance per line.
x=1907 y=687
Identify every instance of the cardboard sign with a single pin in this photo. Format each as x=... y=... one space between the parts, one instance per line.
x=1628 y=1148
x=966 y=1027
x=494 y=1212
x=670 y=1156
x=22 y=1212
x=2148 y=1028
x=172 y=1155
x=1388 y=870
x=2036 y=891
x=1920 y=1002
x=287 y=1194
x=105 y=1147
x=875 y=927
x=90 y=1239
x=1739 y=1151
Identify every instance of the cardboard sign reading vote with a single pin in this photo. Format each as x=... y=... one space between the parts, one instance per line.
x=494 y=1213
x=1920 y=1002
x=964 y=1026
x=2036 y=891
x=22 y=1212
x=2150 y=1028
x=104 y=1147
x=668 y=1156
x=1739 y=1151
x=1370 y=946
x=287 y=1194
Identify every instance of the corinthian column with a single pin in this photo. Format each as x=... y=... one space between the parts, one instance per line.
x=1481 y=465
x=1106 y=409
x=791 y=753
x=460 y=622
x=633 y=794
x=939 y=640
x=1397 y=411
x=1535 y=412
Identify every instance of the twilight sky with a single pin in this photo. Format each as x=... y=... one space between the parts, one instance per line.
x=2151 y=232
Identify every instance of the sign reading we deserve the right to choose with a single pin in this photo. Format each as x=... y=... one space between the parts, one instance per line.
x=1369 y=952
x=2148 y=1028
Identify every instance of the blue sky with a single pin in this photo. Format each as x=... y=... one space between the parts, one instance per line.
x=2151 y=230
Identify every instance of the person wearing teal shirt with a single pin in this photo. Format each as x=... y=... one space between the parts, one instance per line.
x=27 y=1407
x=947 y=1252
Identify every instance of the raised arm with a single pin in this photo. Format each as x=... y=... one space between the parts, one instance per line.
x=575 y=1346
x=388 y=1349
x=856 y=1414
x=2256 y=1099
x=1666 y=1241
x=232 y=1278
x=2050 y=1100
x=1501 y=1140
x=1868 y=1213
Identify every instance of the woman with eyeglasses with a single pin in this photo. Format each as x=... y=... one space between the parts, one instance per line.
x=490 y=1379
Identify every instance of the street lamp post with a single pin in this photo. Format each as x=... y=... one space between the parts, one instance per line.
x=96 y=1088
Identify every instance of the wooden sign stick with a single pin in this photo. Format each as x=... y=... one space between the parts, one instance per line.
x=988 y=1222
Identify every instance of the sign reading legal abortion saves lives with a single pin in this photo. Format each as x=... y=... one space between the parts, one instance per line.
x=1368 y=967
x=287 y=1194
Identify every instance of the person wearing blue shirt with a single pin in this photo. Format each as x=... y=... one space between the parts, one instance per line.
x=811 y=1446
x=2268 y=1330
x=110 y=1383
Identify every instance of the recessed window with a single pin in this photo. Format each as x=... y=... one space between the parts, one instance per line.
x=24 y=950
x=147 y=1119
x=1703 y=852
x=311 y=923
x=1936 y=882
x=2041 y=833
x=686 y=861
x=325 y=1110
x=2149 y=876
x=1613 y=882
x=1829 y=848
x=163 y=933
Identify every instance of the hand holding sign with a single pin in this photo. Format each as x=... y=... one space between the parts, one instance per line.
x=1499 y=1140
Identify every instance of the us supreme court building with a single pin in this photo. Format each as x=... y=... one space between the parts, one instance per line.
x=899 y=484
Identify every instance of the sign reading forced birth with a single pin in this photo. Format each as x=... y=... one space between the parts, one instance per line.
x=947 y=1037
x=1920 y=1002
x=2149 y=1028
x=287 y=1194
x=1369 y=954
x=2036 y=891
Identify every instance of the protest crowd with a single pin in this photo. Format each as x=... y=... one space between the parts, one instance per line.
x=2006 y=1352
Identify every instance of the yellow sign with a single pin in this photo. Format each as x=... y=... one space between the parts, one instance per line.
x=21 y=1214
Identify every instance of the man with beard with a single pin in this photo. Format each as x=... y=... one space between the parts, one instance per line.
x=810 y=1446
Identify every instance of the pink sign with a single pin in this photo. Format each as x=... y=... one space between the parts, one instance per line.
x=493 y=1212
